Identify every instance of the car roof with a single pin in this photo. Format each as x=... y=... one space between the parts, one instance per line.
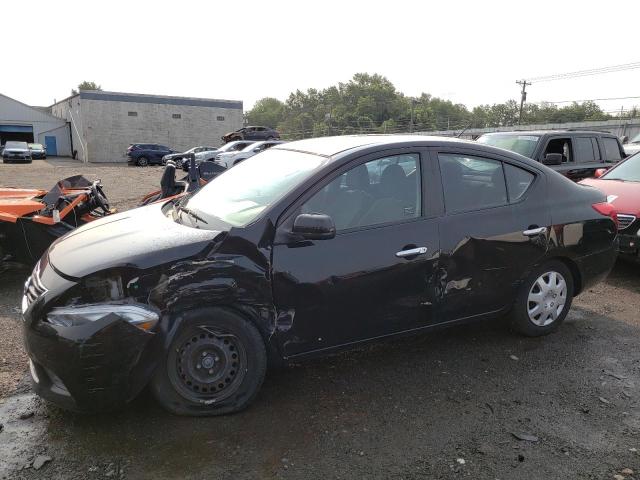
x=552 y=132
x=330 y=146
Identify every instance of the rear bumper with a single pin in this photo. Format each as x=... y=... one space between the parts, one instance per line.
x=596 y=267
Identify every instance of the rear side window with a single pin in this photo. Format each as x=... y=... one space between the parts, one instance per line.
x=518 y=181
x=611 y=149
x=584 y=150
x=471 y=183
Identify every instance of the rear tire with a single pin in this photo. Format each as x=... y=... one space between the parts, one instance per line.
x=142 y=162
x=544 y=300
x=215 y=365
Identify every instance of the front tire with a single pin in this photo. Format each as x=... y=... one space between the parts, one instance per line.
x=544 y=300
x=142 y=162
x=215 y=365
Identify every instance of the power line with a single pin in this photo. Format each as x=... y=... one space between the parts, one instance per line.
x=585 y=73
x=588 y=100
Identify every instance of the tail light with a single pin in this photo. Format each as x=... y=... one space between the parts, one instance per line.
x=606 y=209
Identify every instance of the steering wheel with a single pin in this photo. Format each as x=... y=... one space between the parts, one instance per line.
x=99 y=196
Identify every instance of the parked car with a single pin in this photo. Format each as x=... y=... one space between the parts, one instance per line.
x=37 y=151
x=311 y=247
x=577 y=154
x=16 y=152
x=229 y=159
x=633 y=146
x=178 y=157
x=621 y=184
x=212 y=154
x=143 y=154
x=251 y=133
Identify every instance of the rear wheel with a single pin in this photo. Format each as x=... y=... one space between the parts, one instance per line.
x=215 y=365
x=544 y=300
x=142 y=162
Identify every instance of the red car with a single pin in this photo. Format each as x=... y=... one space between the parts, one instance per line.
x=621 y=184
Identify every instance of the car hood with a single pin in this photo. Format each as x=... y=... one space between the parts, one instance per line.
x=140 y=238
x=624 y=196
x=631 y=148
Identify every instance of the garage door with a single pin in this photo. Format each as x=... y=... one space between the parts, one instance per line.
x=20 y=133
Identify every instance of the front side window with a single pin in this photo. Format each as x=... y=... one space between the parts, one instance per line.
x=377 y=192
x=561 y=146
x=471 y=183
x=611 y=149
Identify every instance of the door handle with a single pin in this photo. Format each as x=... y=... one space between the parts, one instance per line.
x=535 y=231
x=412 y=252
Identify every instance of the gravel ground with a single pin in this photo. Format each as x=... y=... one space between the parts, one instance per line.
x=470 y=402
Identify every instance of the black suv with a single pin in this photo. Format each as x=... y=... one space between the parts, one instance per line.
x=143 y=154
x=252 y=133
x=577 y=154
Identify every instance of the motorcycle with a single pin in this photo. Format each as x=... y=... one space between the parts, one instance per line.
x=198 y=175
x=31 y=219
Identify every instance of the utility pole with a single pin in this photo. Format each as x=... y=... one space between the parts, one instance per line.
x=523 y=97
x=413 y=103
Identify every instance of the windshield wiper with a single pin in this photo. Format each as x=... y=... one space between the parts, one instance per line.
x=191 y=213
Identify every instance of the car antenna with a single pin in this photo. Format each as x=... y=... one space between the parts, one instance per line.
x=464 y=130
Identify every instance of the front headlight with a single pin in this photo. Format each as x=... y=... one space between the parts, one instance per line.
x=138 y=315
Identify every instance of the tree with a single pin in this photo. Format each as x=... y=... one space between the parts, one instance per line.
x=86 y=86
x=371 y=103
x=267 y=111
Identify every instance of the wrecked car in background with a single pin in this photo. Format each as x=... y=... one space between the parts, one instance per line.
x=311 y=247
x=31 y=219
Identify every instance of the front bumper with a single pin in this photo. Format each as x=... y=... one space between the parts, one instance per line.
x=629 y=246
x=14 y=158
x=97 y=366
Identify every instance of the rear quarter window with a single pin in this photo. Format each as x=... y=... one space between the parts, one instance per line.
x=518 y=181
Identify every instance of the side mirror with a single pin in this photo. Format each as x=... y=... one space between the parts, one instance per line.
x=599 y=172
x=256 y=150
x=314 y=226
x=552 y=159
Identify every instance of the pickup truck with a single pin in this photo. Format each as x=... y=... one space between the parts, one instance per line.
x=576 y=154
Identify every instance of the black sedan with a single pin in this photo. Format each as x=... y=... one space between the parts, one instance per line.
x=305 y=249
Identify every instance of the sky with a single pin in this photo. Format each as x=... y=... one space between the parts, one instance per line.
x=469 y=52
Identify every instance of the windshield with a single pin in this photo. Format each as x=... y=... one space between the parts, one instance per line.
x=250 y=147
x=240 y=194
x=629 y=170
x=522 y=144
x=36 y=146
x=16 y=145
x=635 y=139
x=229 y=146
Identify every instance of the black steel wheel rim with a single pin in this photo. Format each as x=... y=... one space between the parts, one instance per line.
x=207 y=365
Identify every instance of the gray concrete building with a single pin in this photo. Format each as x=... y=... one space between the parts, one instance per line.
x=23 y=123
x=103 y=124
